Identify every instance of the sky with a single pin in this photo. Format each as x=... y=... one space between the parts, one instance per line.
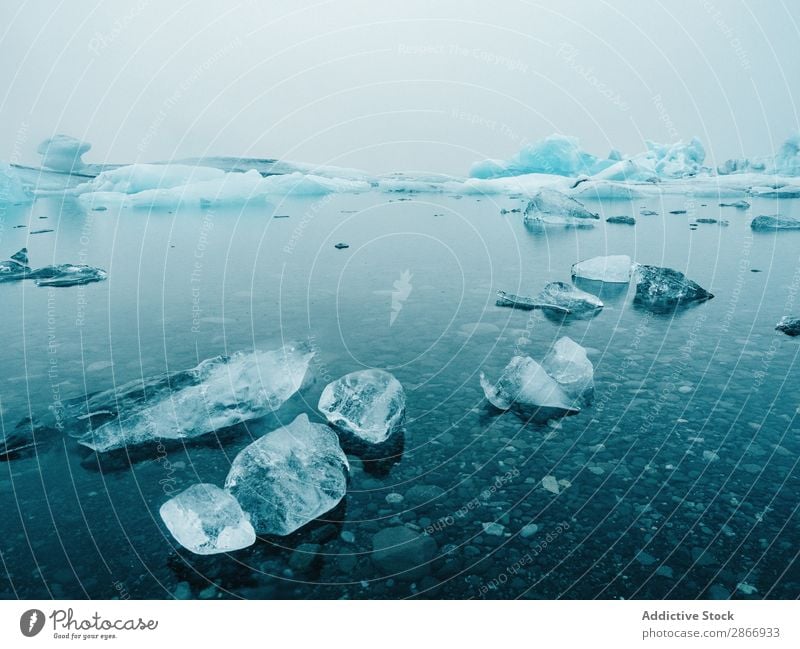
x=415 y=85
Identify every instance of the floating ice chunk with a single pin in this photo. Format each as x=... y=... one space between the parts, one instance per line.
x=289 y=477
x=621 y=220
x=526 y=384
x=573 y=299
x=767 y=223
x=568 y=364
x=663 y=288
x=550 y=483
x=12 y=189
x=613 y=269
x=218 y=393
x=67 y=275
x=551 y=206
x=789 y=326
x=370 y=404
x=739 y=205
x=136 y=178
x=527 y=303
x=207 y=520
x=63 y=153
x=15 y=268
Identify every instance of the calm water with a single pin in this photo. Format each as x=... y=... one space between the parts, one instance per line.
x=683 y=473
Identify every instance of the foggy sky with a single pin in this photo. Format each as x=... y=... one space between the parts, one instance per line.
x=401 y=85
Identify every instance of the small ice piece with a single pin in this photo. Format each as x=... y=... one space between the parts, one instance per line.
x=21 y=256
x=218 y=393
x=370 y=404
x=739 y=205
x=207 y=520
x=612 y=269
x=550 y=483
x=663 y=288
x=571 y=298
x=526 y=384
x=67 y=275
x=551 y=206
x=769 y=223
x=568 y=364
x=789 y=326
x=63 y=153
x=289 y=477
x=526 y=303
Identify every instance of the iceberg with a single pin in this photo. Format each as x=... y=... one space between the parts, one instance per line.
x=370 y=404
x=289 y=477
x=525 y=384
x=769 y=223
x=169 y=185
x=556 y=154
x=219 y=392
x=664 y=288
x=611 y=268
x=786 y=162
x=568 y=364
x=789 y=326
x=12 y=190
x=562 y=155
x=551 y=206
x=63 y=153
x=205 y=519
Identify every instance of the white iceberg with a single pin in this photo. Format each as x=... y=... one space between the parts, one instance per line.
x=524 y=383
x=786 y=162
x=153 y=185
x=611 y=268
x=370 y=404
x=207 y=520
x=289 y=477
x=569 y=365
x=218 y=393
x=63 y=153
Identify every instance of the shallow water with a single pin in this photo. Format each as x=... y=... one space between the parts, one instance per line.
x=683 y=472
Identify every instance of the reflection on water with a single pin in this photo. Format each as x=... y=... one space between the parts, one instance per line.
x=679 y=481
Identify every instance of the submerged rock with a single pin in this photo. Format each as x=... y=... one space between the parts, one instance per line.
x=289 y=477
x=402 y=550
x=766 y=223
x=525 y=384
x=621 y=220
x=370 y=404
x=663 y=288
x=611 y=268
x=218 y=393
x=207 y=520
x=569 y=365
x=551 y=206
x=789 y=326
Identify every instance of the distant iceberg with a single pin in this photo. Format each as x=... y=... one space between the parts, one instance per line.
x=562 y=155
x=154 y=185
x=786 y=162
x=63 y=153
x=11 y=188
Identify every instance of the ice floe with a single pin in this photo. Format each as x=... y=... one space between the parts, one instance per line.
x=664 y=288
x=610 y=268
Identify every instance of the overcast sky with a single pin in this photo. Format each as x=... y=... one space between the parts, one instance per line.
x=395 y=85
